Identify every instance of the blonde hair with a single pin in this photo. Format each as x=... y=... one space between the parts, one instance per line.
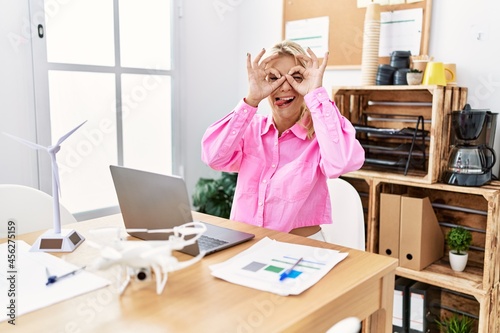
x=288 y=47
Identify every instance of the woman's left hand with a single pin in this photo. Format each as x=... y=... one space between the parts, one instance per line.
x=312 y=73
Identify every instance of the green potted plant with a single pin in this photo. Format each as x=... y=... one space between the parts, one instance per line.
x=459 y=240
x=414 y=76
x=456 y=324
x=215 y=196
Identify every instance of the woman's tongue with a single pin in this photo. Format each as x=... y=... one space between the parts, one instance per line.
x=283 y=101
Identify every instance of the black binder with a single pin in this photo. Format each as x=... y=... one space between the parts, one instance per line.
x=424 y=308
x=401 y=309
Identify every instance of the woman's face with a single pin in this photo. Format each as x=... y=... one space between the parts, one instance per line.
x=285 y=102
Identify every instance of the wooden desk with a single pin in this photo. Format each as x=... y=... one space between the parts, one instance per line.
x=194 y=301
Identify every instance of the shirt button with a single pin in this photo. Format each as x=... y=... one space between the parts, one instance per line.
x=260 y=203
x=233 y=132
x=276 y=143
x=273 y=166
x=328 y=115
x=264 y=181
x=245 y=110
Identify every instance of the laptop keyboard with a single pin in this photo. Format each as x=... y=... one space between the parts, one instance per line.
x=207 y=243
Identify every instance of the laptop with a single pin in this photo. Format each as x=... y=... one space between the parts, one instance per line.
x=155 y=201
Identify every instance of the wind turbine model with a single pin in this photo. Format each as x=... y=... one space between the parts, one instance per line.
x=55 y=240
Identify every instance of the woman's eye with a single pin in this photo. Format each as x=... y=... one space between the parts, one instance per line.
x=298 y=78
x=271 y=78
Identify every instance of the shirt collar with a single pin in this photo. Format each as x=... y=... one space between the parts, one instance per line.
x=297 y=129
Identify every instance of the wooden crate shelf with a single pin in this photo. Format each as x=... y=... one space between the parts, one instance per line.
x=399 y=105
x=478 y=209
x=477 y=289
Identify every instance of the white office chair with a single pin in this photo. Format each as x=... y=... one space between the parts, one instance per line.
x=30 y=208
x=347 y=325
x=348 y=222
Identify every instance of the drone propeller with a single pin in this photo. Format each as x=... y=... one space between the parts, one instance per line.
x=190 y=228
x=150 y=231
x=111 y=253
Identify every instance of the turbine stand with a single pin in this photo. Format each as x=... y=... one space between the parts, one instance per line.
x=65 y=241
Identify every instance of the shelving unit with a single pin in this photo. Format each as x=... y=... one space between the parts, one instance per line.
x=476 y=208
x=401 y=106
x=476 y=290
x=394 y=148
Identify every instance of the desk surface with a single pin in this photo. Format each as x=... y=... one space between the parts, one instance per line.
x=194 y=301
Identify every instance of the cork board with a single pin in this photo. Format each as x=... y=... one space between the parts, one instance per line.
x=347 y=24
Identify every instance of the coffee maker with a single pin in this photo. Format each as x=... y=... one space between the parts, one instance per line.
x=471 y=156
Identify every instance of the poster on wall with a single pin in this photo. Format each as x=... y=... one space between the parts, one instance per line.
x=312 y=32
x=400 y=30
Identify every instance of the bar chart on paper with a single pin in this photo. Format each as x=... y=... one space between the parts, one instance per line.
x=273 y=269
x=262 y=266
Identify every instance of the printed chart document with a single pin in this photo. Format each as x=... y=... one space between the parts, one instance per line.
x=30 y=278
x=400 y=30
x=261 y=266
x=311 y=33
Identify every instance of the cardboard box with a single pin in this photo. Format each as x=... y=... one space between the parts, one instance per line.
x=421 y=237
x=390 y=211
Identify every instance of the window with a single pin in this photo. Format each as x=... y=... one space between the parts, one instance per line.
x=108 y=62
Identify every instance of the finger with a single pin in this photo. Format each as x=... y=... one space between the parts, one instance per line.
x=292 y=82
x=249 y=61
x=259 y=56
x=276 y=84
x=307 y=60
x=313 y=57
x=264 y=62
x=311 y=53
x=325 y=61
x=297 y=69
x=274 y=71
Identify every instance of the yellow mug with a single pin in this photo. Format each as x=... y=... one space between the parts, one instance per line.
x=450 y=73
x=435 y=74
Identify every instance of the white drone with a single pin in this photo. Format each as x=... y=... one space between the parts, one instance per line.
x=139 y=258
x=55 y=240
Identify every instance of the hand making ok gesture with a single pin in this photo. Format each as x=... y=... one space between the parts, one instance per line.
x=260 y=86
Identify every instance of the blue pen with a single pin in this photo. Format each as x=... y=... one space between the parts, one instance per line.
x=286 y=273
x=53 y=278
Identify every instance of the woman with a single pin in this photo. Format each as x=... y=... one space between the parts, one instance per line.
x=284 y=159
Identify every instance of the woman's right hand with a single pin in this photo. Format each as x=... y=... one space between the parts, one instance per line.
x=259 y=87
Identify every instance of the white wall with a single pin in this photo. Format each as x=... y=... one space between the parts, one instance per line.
x=218 y=35
x=17 y=114
x=215 y=37
x=468 y=33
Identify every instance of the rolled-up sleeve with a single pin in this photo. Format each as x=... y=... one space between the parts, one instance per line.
x=221 y=143
x=340 y=151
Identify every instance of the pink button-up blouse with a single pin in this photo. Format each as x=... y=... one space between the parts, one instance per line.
x=282 y=179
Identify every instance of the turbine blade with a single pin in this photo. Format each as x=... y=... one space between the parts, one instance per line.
x=26 y=142
x=65 y=136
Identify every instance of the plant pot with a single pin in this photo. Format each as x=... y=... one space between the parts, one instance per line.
x=458 y=261
x=414 y=79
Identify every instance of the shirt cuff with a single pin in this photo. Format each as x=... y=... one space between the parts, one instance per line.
x=316 y=97
x=244 y=102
